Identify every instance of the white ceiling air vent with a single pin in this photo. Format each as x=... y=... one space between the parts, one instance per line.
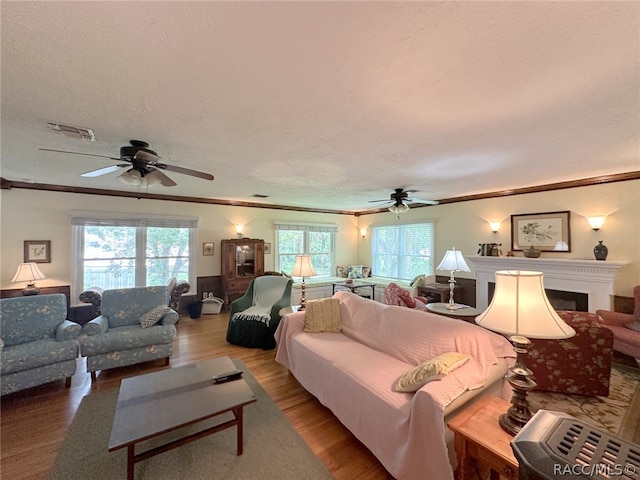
x=71 y=131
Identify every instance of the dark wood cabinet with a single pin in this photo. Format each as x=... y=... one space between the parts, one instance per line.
x=242 y=261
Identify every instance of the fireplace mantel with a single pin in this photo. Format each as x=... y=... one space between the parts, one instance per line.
x=594 y=277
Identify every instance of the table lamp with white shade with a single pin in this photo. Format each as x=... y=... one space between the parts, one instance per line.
x=453 y=261
x=28 y=272
x=303 y=268
x=520 y=308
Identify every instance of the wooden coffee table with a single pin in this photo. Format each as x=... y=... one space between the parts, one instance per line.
x=157 y=403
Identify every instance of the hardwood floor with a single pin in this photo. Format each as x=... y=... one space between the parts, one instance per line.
x=34 y=422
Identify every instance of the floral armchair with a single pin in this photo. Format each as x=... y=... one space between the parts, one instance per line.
x=396 y=295
x=135 y=326
x=577 y=365
x=37 y=344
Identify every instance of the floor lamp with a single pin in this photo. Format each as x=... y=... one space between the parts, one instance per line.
x=303 y=268
x=520 y=308
x=454 y=262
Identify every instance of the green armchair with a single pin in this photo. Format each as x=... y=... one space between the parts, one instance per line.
x=254 y=317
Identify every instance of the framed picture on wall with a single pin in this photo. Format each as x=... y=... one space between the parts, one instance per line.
x=207 y=249
x=267 y=248
x=548 y=232
x=37 y=251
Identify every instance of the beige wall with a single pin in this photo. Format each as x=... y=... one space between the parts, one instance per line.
x=464 y=225
x=35 y=215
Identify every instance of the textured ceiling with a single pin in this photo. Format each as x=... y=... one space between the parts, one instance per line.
x=324 y=104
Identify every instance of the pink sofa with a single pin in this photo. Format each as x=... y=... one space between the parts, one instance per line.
x=625 y=339
x=352 y=373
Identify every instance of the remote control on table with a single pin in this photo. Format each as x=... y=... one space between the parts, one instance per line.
x=228 y=376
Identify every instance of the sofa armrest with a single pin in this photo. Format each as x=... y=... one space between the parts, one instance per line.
x=67 y=330
x=170 y=318
x=614 y=318
x=96 y=326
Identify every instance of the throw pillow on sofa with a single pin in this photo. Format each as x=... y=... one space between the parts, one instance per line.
x=322 y=315
x=153 y=316
x=430 y=370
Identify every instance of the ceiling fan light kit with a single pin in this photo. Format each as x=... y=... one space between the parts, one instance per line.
x=400 y=200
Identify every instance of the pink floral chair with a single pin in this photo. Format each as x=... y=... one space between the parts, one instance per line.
x=577 y=365
x=625 y=328
x=396 y=295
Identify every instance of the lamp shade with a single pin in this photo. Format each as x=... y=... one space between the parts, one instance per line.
x=303 y=267
x=453 y=261
x=28 y=272
x=520 y=306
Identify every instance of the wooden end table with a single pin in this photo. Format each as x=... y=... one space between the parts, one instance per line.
x=481 y=445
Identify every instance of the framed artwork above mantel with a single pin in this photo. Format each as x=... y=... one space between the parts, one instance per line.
x=547 y=232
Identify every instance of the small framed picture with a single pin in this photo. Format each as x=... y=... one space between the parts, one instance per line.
x=267 y=248
x=37 y=251
x=207 y=249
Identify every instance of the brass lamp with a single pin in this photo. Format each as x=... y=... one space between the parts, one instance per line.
x=303 y=268
x=454 y=262
x=28 y=272
x=520 y=308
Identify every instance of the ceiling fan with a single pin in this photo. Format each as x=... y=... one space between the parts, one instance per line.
x=144 y=169
x=400 y=200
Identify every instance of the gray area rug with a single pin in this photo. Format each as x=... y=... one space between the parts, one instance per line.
x=618 y=414
x=272 y=447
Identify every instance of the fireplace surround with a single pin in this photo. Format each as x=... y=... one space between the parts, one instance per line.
x=594 y=278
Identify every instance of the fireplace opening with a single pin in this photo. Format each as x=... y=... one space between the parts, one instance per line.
x=560 y=299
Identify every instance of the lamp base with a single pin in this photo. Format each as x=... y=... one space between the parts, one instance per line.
x=30 y=289
x=519 y=377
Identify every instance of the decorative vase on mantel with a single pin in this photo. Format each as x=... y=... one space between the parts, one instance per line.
x=600 y=251
x=531 y=252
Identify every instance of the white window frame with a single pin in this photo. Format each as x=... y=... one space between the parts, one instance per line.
x=81 y=219
x=307 y=228
x=430 y=245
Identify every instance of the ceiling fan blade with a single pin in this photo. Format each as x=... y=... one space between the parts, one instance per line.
x=185 y=171
x=385 y=200
x=78 y=153
x=425 y=202
x=148 y=158
x=164 y=180
x=103 y=171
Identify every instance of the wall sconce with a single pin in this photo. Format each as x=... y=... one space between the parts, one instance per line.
x=363 y=232
x=495 y=226
x=239 y=228
x=597 y=222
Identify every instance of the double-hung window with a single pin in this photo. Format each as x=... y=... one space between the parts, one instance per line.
x=117 y=251
x=316 y=240
x=403 y=251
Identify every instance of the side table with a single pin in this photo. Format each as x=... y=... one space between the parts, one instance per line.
x=481 y=445
x=435 y=292
x=465 y=313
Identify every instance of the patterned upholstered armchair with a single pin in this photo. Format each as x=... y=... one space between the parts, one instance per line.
x=135 y=326
x=577 y=365
x=37 y=344
x=93 y=295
